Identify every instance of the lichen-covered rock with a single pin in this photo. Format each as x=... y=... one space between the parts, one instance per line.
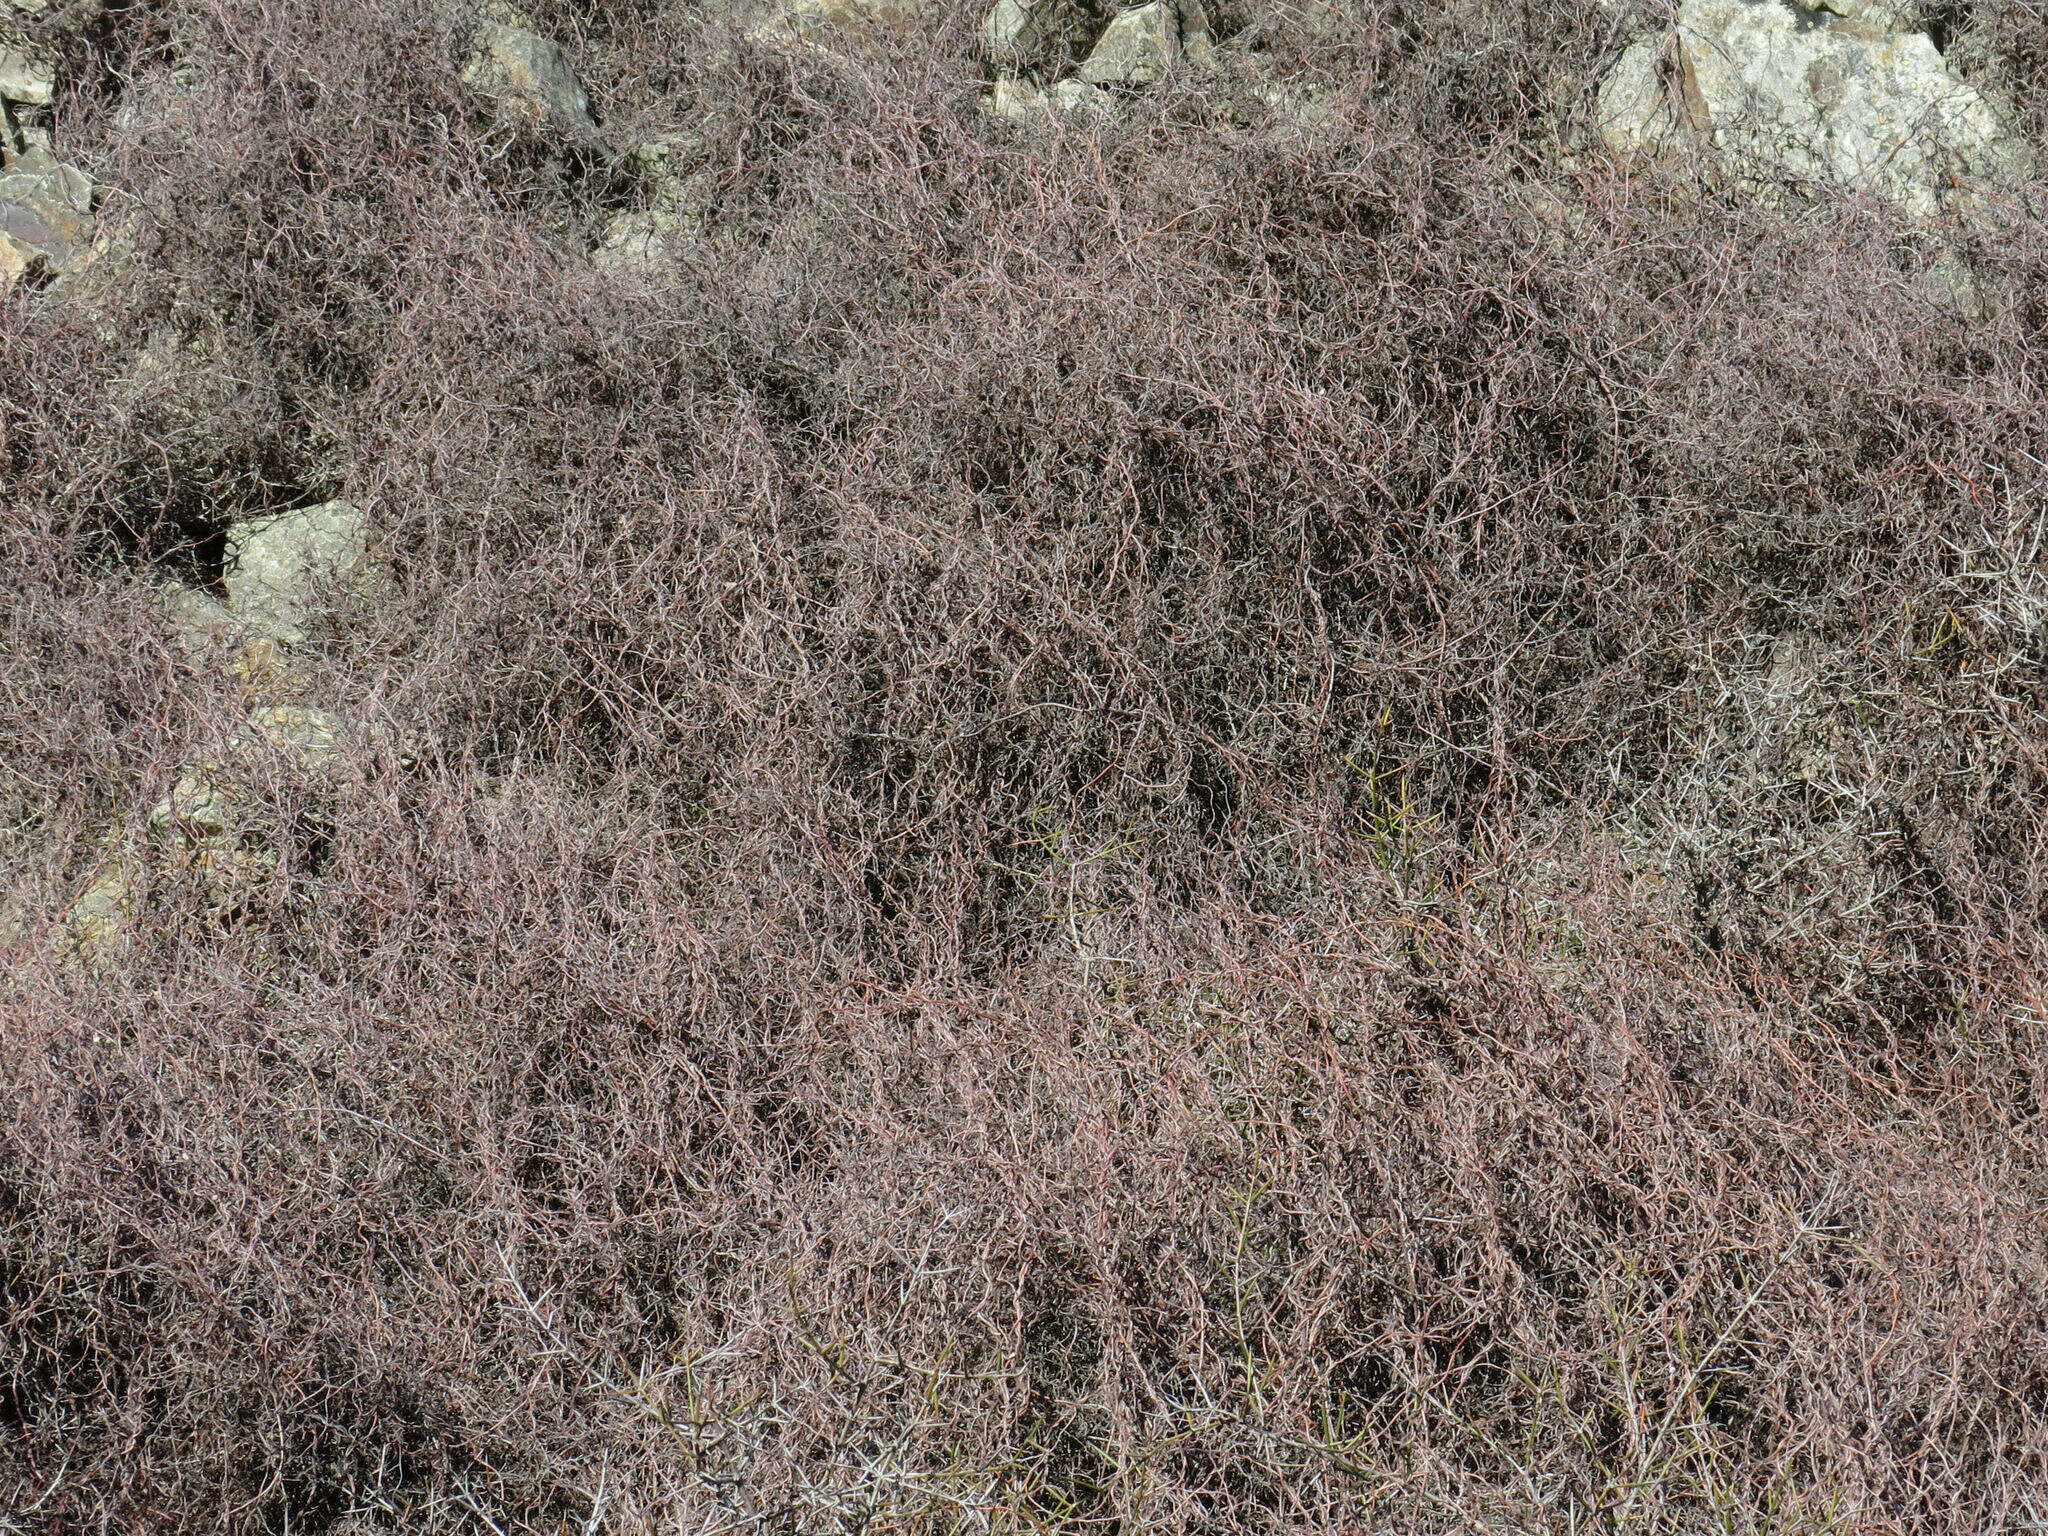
x=1193 y=20
x=1780 y=92
x=217 y=831
x=222 y=821
x=283 y=570
x=202 y=810
x=46 y=218
x=1077 y=95
x=1892 y=15
x=529 y=79
x=634 y=242
x=280 y=566
x=1138 y=46
x=224 y=828
x=1013 y=100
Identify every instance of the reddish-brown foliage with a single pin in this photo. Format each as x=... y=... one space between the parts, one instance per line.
x=1164 y=827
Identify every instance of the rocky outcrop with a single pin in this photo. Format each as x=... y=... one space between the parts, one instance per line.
x=222 y=829
x=28 y=92
x=28 y=82
x=222 y=807
x=1017 y=100
x=100 y=918
x=1634 y=108
x=1777 y=92
x=1017 y=32
x=1891 y=15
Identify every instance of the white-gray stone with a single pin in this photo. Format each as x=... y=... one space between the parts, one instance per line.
x=529 y=78
x=1634 y=108
x=1874 y=110
x=1193 y=20
x=280 y=566
x=46 y=219
x=1076 y=95
x=1780 y=92
x=678 y=203
x=200 y=811
x=220 y=820
x=310 y=738
x=1015 y=30
x=197 y=621
x=821 y=23
x=103 y=912
x=27 y=79
x=1138 y=46
x=1892 y=15
x=1019 y=101
x=634 y=242
x=1013 y=100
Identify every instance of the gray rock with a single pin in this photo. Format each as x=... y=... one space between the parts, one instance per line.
x=279 y=567
x=1892 y=15
x=221 y=830
x=1843 y=102
x=678 y=203
x=101 y=916
x=1013 y=100
x=197 y=621
x=1019 y=101
x=220 y=823
x=530 y=80
x=821 y=23
x=1295 y=105
x=1195 y=44
x=311 y=739
x=46 y=219
x=635 y=242
x=202 y=810
x=25 y=78
x=1634 y=109
x=1077 y=95
x=1016 y=30
x=1138 y=46
x=1946 y=282
x=661 y=160
x=1777 y=91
